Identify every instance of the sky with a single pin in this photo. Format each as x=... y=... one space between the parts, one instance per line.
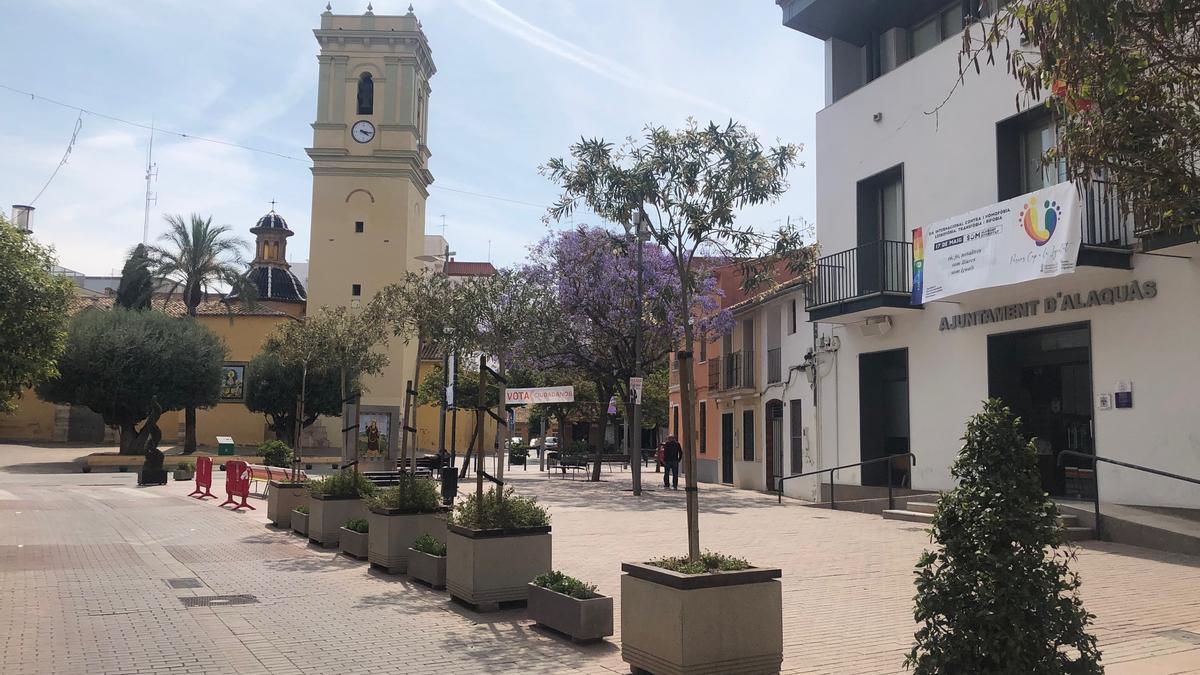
x=517 y=82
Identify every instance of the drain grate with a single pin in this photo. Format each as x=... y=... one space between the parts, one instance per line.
x=1181 y=635
x=218 y=600
x=186 y=582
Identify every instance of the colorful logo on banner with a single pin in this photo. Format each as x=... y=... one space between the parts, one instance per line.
x=1040 y=233
x=918 y=265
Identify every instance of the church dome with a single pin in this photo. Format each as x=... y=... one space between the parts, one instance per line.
x=271 y=221
x=275 y=282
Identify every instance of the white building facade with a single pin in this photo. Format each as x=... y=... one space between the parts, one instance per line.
x=1097 y=361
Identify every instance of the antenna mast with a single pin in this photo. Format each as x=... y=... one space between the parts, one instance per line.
x=151 y=173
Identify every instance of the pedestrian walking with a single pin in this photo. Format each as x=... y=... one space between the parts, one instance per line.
x=672 y=455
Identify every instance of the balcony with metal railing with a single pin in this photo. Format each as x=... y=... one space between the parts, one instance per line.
x=774 y=365
x=737 y=370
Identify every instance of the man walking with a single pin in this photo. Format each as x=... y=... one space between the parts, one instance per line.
x=672 y=455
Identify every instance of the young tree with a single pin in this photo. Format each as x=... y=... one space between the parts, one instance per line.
x=198 y=258
x=1123 y=78
x=34 y=305
x=130 y=367
x=589 y=321
x=272 y=388
x=998 y=595
x=137 y=282
x=688 y=185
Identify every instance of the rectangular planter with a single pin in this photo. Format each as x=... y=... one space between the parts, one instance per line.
x=282 y=499
x=392 y=533
x=582 y=620
x=299 y=522
x=487 y=567
x=327 y=516
x=724 y=622
x=353 y=543
x=428 y=568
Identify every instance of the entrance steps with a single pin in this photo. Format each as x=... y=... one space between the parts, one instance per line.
x=865 y=498
x=916 y=511
x=1161 y=529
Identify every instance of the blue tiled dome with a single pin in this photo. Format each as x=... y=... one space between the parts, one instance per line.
x=275 y=282
x=271 y=221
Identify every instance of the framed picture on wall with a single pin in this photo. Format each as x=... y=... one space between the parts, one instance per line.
x=374 y=435
x=233 y=382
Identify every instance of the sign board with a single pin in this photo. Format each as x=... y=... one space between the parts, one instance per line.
x=612 y=406
x=451 y=374
x=1123 y=398
x=536 y=395
x=1034 y=236
x=635 y=389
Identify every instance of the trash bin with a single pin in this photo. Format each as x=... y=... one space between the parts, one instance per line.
x=224 y=445
x=449 y=484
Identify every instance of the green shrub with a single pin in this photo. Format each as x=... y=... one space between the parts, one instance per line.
x=303 y=508
x=412 y=494
x=357 y=525
x=512 y=511
x=561 y=583
x=577 y=448
x=275 y=453
x=345 y=483
x=183 y=466
x=430 y=546
x=709 y=562
x=998 y=595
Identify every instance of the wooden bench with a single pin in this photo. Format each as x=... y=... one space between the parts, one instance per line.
x=261 y=473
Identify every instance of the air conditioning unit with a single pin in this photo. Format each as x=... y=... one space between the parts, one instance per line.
x=876 y=325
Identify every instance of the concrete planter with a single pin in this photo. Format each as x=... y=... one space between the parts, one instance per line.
x=184 y=474
x=430 y=569
x=581 y=620
x=282 y=499
x=353 y=543
x=392 y=533
x=487 y=567
x=723 y=622
x=299 y=522
x=328 y=514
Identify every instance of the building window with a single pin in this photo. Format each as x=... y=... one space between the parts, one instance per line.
x=703 y=427
x=748 y=435
x=675 y=422
x=1022 y=144
x=356 y=290
x=358 y=226
x=703 y=350
x=931 y=31
x=366 y=94
x=797 y=436
x=791 y=317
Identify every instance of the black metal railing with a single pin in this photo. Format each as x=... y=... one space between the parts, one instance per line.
x=774 y=365
x=1104 y=223
x=910 y=462
x=714 y=372
x=868 y=269
x=1096 y=477
x=737 y=370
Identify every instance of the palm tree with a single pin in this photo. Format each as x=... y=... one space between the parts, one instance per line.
x=195 y=259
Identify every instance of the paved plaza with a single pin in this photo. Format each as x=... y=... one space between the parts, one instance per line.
x=85 y=561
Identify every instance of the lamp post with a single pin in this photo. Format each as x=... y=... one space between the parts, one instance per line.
x=638 y=228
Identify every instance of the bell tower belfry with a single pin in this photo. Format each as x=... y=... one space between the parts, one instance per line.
x=370 y=178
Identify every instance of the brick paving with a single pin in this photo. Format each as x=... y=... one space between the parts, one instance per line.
x=84 y=560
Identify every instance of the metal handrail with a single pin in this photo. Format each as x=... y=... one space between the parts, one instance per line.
x=912 y=461
x=1127 y=465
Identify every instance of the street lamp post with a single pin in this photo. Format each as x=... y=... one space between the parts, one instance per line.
x=633 y=436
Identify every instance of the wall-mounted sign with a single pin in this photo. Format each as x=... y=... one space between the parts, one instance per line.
x=1059 y=302
x=1104 y=401
x=536 y=395
x=1033 y=236
x=1123 y=397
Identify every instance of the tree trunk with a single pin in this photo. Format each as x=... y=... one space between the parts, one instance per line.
x=189 y=429
x=633 y=432
x=605 y=397
x=687 y=401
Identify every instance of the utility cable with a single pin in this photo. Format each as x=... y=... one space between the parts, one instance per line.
x=66 y=155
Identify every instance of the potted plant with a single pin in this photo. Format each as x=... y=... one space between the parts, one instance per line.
x=718 y=614
x=184 y=471
x=400 y=514
x=427 y=561
x=299 y=518
x=495 y=547
x=353 y=538
x=283 y=496
x=336 y=499
x=518 y=454
x=570 y=606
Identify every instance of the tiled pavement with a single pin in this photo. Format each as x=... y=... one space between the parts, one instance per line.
x=84 y=561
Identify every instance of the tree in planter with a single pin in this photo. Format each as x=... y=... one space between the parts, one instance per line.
x=132 y=366
x=136 y=288
x=197 y=257
x=33 y=313
x=688 y=185
x=998 y=596
x=592 y=314
x=1122 y=82
x=272 y=389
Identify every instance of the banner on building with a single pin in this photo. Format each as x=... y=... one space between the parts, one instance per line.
x=1033 y=236
x=536 y=395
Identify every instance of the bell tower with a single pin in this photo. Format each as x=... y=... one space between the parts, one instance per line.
x=370 y=178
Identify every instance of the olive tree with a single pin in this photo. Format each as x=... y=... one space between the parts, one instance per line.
x=272 y=389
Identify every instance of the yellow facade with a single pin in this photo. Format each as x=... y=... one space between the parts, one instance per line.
x=32 y=421
x=428 y=420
